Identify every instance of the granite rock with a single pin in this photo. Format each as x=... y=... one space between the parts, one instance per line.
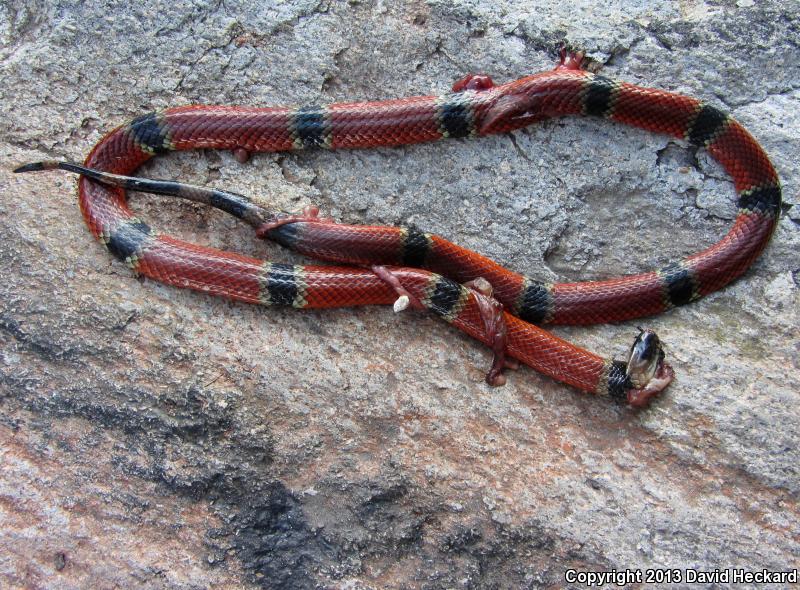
x=153 y=437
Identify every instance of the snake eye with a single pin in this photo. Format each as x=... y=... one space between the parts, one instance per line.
x=645 y=357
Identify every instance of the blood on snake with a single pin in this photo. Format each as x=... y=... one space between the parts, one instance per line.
x=410 y=268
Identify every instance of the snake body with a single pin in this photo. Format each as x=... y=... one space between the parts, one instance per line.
x=429 y=267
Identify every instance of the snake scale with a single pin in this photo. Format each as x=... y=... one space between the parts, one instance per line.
x=402 y=265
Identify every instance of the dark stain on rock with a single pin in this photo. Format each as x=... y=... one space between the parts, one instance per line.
x=275 y=543
x=45 y=348
x=460 y=539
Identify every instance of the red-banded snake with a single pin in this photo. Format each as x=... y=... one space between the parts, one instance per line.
x=385 y=265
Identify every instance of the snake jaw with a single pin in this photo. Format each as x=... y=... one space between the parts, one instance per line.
x=478 y=82
x=639 y=398
x=646 y=370
x=570 y=60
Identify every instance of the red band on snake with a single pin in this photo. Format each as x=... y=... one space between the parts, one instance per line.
x=429 y=268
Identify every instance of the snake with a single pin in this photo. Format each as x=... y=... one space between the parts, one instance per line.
x=407 y=267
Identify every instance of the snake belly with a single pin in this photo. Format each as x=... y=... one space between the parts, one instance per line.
x=431 y=268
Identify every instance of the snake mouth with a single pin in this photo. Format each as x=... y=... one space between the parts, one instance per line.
x=647 y=371
x=640 y=397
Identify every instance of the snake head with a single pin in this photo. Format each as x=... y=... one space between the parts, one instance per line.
x=646 y=370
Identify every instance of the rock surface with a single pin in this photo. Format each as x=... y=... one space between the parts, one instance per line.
x=152 y=437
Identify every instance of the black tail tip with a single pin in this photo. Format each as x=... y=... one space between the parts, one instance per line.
x=32 y=167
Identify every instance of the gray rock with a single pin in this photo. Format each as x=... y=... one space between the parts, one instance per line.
x=153 y=437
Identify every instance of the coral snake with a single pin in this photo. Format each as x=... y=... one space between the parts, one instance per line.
x=405 y=266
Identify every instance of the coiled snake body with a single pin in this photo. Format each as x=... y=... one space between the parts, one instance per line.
x=380 y=263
